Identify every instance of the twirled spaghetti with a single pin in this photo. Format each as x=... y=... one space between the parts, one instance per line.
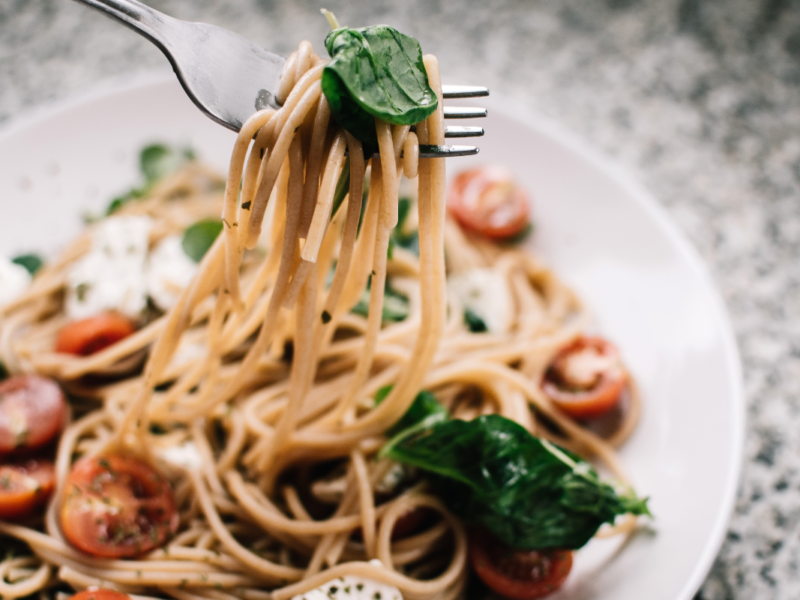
x=284 y=275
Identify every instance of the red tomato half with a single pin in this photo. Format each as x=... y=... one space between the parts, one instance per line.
x=93 y=334
x=488 y=202
x=518 y=574
x=100 y=594
x=117 y=507
x=586 y=378
x=32 y=412
x=25 y=486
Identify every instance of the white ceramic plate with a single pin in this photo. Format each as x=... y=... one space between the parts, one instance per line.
x=595 y=226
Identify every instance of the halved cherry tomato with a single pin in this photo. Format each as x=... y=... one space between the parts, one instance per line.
x=117 y=507
x=100 y=594
x=518 y=574
x=586 y=378
x=32 y=412
x=488 y=202
x=25 y=486
x=91 y=335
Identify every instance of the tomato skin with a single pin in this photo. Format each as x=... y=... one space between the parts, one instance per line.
x=91 y=335
x=32 y=412
x=488 y=202
x=24 y=487
x=518 y=574
x=602 y=380
x=117 y=507
x=100 y=594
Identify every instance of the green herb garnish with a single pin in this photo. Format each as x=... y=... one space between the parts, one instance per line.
x=198 y=238
x=31 y=262
x=473 y=322
x=156 y=161
x=528 y=492
x=425 y=408
x=375 y=72
x=395 y=305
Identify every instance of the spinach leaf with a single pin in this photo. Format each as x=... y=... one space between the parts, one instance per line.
x=520 y=236
x=375 y=72
x=473 y=322
x=528 y=492
x=198 y=238
x=156 y=161
x=120 y=201
x=425 y=408
x=342 y=187
x=409 y=241
x=3 y=371
x=395 y=305
x=32 y=262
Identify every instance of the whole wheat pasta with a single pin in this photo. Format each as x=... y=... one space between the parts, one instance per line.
x=264 y=376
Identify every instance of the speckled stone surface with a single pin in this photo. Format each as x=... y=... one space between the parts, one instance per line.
x=699 y=99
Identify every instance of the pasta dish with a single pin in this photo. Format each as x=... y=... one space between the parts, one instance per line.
x=354 y=383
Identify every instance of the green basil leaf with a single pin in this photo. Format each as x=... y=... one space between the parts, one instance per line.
x=375 y=72
x=403 y=209
x=424 y=407
x=381 y=394
x=395 y=305
x=32 y=262
x=520 y=236
x=399 y=237
x=198 y=238
x=342 y=187
x=156 y=161
x=3 y=371
x=528 y=492
x=120 y=201
x=473 y=322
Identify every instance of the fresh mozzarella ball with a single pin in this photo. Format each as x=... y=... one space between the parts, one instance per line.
x=169 y=271
x=14 y=280
x=185 y=455
x=353 y=588
x=112 y=275
x=485 y=293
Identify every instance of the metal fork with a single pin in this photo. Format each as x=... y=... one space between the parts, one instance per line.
x=229 y=78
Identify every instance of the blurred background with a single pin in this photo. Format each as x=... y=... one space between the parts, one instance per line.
x=700 y=100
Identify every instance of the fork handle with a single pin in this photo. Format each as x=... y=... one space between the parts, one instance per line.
x=144 y=20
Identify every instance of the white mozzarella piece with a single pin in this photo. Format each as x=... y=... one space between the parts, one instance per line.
x=486 y=293
x=185 y=456
x=14 y=280
x=584 y=367
x=112 y=275
x=353 y=588
x=169 y=271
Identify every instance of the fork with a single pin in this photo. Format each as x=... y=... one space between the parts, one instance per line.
x=229 y=78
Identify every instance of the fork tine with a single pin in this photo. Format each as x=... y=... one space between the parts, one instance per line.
x=464 y=112
x=433 y=151
x=464 y=91
x=453 y=131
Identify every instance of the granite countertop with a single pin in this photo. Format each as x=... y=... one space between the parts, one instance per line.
x=700 y=99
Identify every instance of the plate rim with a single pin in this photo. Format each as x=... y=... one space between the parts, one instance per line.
x=558 y=133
